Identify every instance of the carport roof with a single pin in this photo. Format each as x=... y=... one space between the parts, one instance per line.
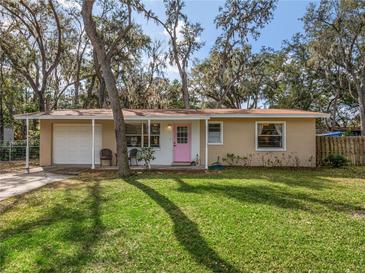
x=143 y=114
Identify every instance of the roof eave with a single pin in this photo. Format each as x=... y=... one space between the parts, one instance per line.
x=270 y=115
x=187 y=117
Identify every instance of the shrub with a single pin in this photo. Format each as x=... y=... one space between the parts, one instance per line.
x=146 y=155
x=336 y=160
x=234 y=160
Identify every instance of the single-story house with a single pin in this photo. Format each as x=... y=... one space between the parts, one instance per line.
x=255 y=137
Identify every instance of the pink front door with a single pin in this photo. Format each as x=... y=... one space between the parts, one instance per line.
x=182 y=143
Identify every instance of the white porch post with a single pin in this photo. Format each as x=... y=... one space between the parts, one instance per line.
x=27 y=148
x=206 y=143
x=149 y=132
x=142 y=139
x=93 y=144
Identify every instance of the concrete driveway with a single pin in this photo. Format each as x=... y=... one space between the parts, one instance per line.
x=12 y=184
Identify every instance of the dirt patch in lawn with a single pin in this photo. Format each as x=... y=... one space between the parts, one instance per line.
x=359 y=214
x=16 y=166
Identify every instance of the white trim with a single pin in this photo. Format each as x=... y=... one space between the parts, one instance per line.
x=142 y=133
x=93 y=144
x=221 y=132
x=143 y=118
x=269 y=115
x=206 y=144
x=172 y=117
x=270 y=149
x=149 y=132
x=27 y=148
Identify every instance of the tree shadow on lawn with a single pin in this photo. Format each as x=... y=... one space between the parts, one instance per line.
x=49 y=259
x=186 y=231
x=310 y=178
x=259 y=194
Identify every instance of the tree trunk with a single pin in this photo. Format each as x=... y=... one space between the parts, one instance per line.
x=119 y=124
x=77 y=87
x=41 y=101
x=102 y=97
x=101 y=92
x=361 y=100
x=1 y=116
x=89 y=92
x=185 y=90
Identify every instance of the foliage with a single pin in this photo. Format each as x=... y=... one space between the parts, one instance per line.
x=184 y=39
x=47 y=61
x=336 y=30
x=189 y=222
x=336 y=160
x=231 y=74
x=146 y=154
x=266 y=159
x=234 y=160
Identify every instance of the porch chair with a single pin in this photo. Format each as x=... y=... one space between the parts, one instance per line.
x=133 y=155
x=107 y=155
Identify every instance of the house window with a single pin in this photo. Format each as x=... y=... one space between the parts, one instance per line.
x=270 y=136
x=137 y=135
x=215 y=133
x=154 y=135
x=134 y=135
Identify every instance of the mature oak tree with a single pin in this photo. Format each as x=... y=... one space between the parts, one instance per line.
x=104 y=56
x=32 y=41
x=184 y=39
x=337 y=31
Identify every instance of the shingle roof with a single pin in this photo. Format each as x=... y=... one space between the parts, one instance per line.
x=170 y=113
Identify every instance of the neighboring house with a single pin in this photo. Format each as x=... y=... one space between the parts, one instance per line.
x=263 y=136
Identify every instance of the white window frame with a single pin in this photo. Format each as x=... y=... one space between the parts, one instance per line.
x=268 y=148
x=143 y=134
x=221 y=126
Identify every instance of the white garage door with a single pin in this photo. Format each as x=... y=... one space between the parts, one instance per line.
x=72 y=143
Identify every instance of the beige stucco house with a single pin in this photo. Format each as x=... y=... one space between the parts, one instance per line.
x=254 y=137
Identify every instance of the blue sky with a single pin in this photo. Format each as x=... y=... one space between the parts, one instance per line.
x=284 y=24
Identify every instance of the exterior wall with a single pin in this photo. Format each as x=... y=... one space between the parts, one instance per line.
x=45 y=145
x=164 y=154
x=46 y=137
x=239 y=138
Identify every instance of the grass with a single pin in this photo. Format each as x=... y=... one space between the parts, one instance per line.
x=242 y=220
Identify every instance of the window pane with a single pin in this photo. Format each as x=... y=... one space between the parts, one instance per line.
x=270 y=129
x=270 y=135
x=134 y=129
x=270 y=142
x=155 y=141
x=182 y=135
x=134 y=141
x=155 y=129
x=214 y=133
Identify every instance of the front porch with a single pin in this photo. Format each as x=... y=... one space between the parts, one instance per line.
x=178 y=144
x=76 y=169
x=74 y=138
x=157 y=167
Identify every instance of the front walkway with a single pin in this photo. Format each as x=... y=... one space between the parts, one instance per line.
x=76 y=169
x=16 y=183
x=156 y=167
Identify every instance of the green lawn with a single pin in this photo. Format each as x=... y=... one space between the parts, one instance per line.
x=238 y=220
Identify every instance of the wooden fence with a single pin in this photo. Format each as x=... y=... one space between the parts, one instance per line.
x=352 y=147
